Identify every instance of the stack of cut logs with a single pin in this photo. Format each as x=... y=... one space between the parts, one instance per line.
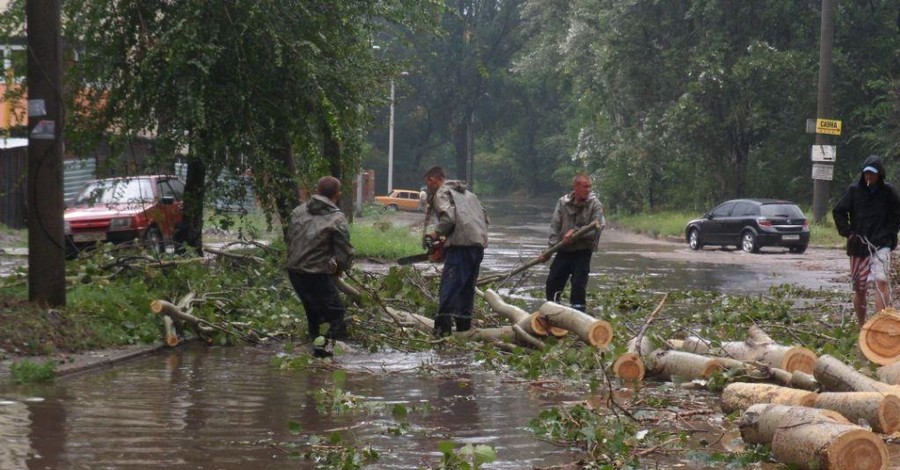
x=820 y=413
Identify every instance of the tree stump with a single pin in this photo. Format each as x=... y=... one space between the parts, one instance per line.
x=740 y=396
x=879 y=338
x=760 y=421
x=881 y=411
x=828 y=446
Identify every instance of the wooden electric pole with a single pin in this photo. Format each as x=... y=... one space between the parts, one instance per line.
x=821 y=185
x=44 y=187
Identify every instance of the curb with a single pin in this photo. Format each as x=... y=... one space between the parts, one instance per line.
x=72 y=364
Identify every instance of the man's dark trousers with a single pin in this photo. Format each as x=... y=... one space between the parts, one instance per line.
x=322 y=303
x=457 y=293
x=576 y=264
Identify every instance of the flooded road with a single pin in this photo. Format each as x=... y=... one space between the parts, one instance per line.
x=230 y=408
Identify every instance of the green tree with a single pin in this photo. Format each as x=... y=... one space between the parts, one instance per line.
x=244 y=85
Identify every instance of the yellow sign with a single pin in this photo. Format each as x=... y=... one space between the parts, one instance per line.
x=828 y=126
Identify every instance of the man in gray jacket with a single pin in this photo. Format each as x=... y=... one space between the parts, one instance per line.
x=318 y=241
x=462 y=227
x=573 y=260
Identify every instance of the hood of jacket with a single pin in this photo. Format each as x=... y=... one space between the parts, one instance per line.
x=569 y=199
x=456 y=185
x=877 y=162
x=320 y=205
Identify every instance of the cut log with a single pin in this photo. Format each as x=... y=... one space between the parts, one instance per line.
x=760 y=421
x=171 y=333
x=835 y=376
x=669 y=363
x=630 y=366
x=595 y=332
x=828 y=446
x=740 y=396
x=795 y=379
x=889 y=373
x=879 y=338
x=881 y=411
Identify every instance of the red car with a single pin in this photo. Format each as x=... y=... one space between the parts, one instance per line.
x=117 y=210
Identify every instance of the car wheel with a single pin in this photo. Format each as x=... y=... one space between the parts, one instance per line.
x=799 y=249
x=694 y=239
x=392 y=207
x=748 y=242
x=154 y=240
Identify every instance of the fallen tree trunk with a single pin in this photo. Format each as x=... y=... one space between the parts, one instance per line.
x=881 y=411
x=740 y=396
x=828 y=446
x=835 y=376
x=670 y=363
x=758 y=347
x=531 y=323
x=595 y=332
x=760 y=421
x=878 y=337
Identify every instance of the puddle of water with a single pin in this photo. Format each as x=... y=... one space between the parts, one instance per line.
x=221 y=408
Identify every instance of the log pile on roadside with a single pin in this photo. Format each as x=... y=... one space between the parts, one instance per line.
x=814 y=412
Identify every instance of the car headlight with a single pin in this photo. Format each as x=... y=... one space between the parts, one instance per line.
x=120 y=223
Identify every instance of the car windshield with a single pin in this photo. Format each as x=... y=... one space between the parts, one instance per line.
x=114 y=192
x=786 y=211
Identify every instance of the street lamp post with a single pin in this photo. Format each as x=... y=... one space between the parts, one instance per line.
x=390 y=183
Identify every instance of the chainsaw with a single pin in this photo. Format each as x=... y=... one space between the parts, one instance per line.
x=434 y=250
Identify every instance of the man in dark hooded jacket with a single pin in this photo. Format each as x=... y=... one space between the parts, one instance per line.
x=868 y=214
x=318 y=242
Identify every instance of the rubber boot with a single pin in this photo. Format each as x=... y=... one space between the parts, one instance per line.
x=463 y=324
x=443 y=325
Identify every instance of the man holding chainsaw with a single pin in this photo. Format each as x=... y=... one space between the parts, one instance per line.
x=459 y=239
x=868 y=214
x=573 y=259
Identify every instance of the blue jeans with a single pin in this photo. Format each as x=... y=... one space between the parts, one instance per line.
x=457 y=293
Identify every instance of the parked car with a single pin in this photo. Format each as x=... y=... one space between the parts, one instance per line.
x=403 y=199
x=116 y=210
x=750 y=224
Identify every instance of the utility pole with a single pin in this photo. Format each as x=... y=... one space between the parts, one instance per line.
x=821 y=184
x=44 y=187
